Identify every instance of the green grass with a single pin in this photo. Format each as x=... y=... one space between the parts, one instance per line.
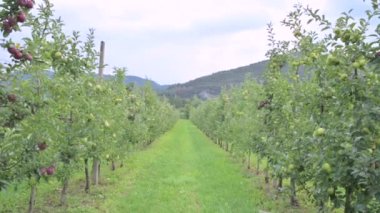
x=183 y=171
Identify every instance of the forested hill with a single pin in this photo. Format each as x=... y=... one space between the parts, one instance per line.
x=138 y=81
x=141 y=82
x=211 y=85
x=129 y=79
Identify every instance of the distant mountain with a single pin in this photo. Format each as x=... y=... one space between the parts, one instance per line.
x=204 y=87
x=130 y=79
x=211 y=85
x=141 y=82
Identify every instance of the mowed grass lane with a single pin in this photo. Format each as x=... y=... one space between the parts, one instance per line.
x=184 y=172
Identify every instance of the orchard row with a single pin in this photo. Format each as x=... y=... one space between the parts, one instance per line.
x=55 y=114
x=316 y=116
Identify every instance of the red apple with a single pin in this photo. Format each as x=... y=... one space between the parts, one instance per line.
x=12 y=98
x=12 y=49
x=50 y=170
x=18 y=55
x=42 y=146
x=29 y=4
x=21 y=17
x=23 y=3
x=9 y=23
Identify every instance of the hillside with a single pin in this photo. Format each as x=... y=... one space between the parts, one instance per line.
x=211 y=85
x=204 y=87
x=141 y=82
x=129 y=79
x=137 y=81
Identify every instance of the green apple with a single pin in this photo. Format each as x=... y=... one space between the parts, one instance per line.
x=106 y=124
x=313 y=56
x=377 y=141
x=291 y=167
x=331 y=191
x=366 y=131
x=319 y=132
x=351 y=106
x=346 y=36
x=332 y=60
x=57 y=55
x=338 y=32
x=347 y=146
x=91 y=117
x=327 y=168
x=99 y=88
x=356 y=65
x=343 y=77
x=354 y=37
x=359 y=63
x=362 y=62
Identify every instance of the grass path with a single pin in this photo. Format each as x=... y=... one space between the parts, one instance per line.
x=185 y=172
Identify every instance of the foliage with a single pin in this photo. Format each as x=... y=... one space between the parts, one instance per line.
x=317 y=123
x=49 y=124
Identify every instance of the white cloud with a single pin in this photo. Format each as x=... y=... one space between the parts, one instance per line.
x=162 y=14
x=174 y=41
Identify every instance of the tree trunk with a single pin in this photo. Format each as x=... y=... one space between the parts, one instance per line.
x=258 y=165
x=347 y=205
x=64 y=192
x=87 y=187
x=321 y=207
x=95 y=172
x=101 y=59
x=293 y=194
x=32 y=198
x=113 y=166
x=279 y=185
x=249 y=161
x=99 y=171
x=275 y=183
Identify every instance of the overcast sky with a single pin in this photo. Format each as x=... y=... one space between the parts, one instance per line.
x=174 y=41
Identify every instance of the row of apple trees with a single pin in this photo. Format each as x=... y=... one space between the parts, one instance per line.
x=56 y=116
x=316 y=116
